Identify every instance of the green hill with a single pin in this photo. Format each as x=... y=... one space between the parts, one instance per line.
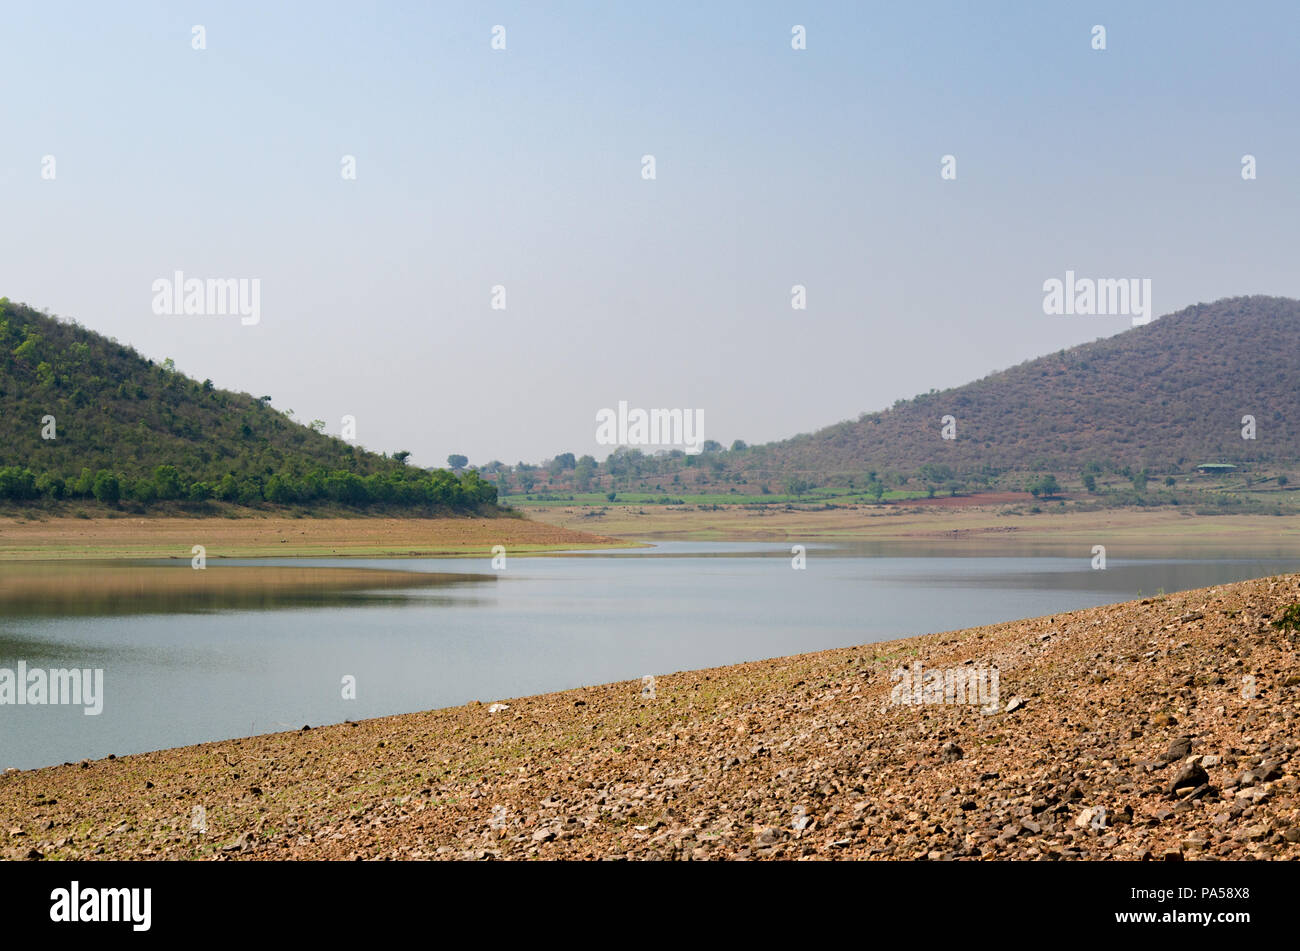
x=127 y=430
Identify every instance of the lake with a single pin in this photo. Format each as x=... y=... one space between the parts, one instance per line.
x=263 y=646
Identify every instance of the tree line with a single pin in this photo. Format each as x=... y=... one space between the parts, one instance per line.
x=410 y=488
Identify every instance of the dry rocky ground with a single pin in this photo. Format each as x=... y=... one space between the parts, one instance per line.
x=1158 y=729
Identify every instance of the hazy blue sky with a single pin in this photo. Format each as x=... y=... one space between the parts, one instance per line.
x=522 y=168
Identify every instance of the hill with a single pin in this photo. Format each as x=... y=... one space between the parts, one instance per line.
x=82 y=416
x=1162 y=398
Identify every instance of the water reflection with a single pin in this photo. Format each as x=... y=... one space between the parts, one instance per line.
x=109 y=589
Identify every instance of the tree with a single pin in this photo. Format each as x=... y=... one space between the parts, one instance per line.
x=934 y=474
x=1048 y=486
x=17 y=483
x=797 y=486
x=457 y=461
x=279 y=491
x=877 y=490
x=107 y=488
x=85 y=484
x=144 y=491
x=739 y=446
x=402 y=455
x=167 y=481
x=227 y=489
x=1090 y=482
x=50 y=485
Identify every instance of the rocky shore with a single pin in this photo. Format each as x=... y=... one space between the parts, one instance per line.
x=1160 y=729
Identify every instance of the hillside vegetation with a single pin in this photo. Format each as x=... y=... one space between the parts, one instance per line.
x=84 y=417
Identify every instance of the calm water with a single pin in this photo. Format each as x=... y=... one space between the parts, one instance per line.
x=187 y=668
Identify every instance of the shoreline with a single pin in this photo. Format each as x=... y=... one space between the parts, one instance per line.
x=554 y=530
x=62 y=538
x=1129 y=531
x=793 y=757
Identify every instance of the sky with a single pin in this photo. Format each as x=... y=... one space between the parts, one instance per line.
x=522 y=168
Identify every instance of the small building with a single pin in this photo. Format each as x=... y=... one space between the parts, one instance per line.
x=1215 y=468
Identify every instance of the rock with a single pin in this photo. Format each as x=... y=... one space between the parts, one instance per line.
x=544 y=835
x=951 y=752
x=1094 y=817
x=1178 y=749
x=498 y=707
x=1192 y=774
x=1015 y=703
x=1164 y=719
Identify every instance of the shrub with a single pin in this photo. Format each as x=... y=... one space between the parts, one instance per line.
x=107 y=488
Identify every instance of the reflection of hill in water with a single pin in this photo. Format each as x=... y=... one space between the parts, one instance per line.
x=89 y=589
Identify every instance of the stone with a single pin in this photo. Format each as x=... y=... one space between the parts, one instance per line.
x=1094 y=817
x=1178 y=749
x=1192 y=775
